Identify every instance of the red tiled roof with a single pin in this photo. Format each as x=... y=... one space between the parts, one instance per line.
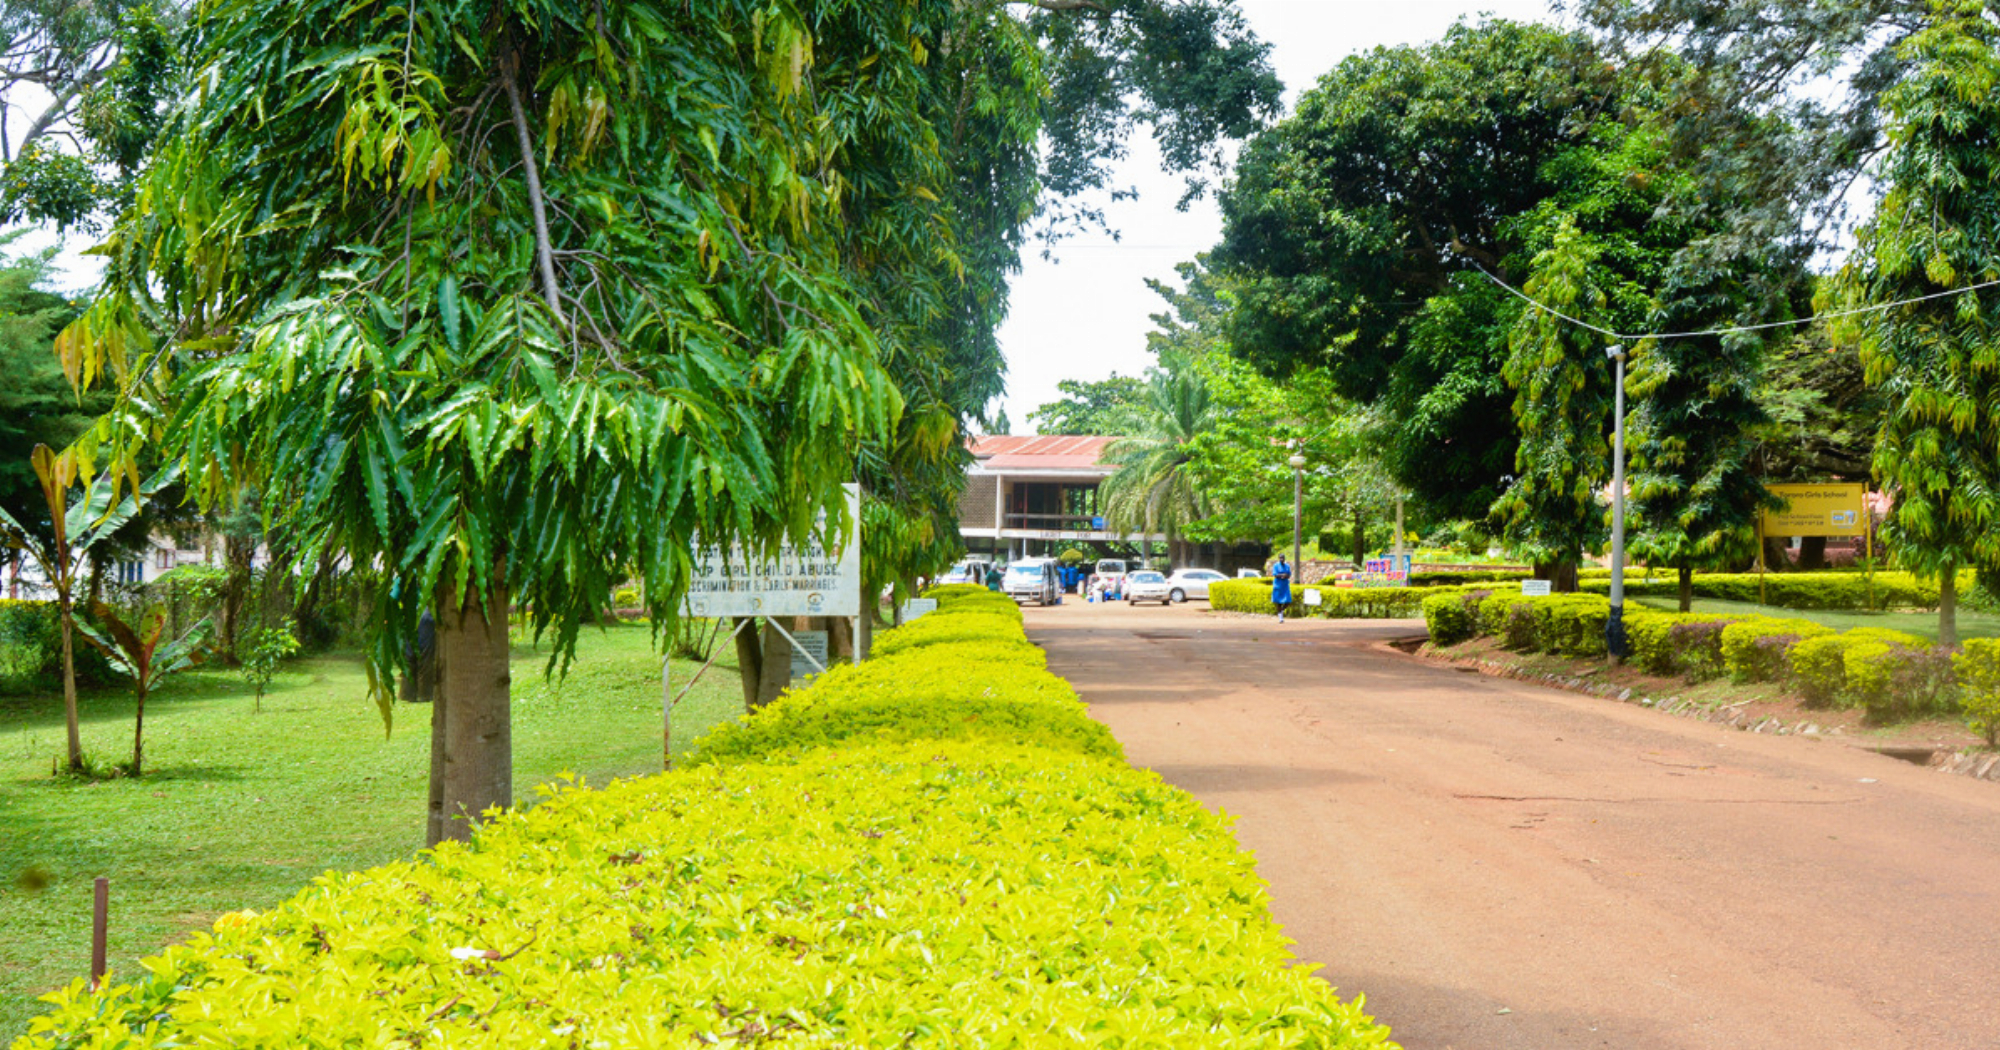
x=1027 y=451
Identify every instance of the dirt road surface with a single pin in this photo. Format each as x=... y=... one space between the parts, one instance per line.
x=1498 y=865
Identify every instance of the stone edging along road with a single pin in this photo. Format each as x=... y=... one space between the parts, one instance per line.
x=1978 y=766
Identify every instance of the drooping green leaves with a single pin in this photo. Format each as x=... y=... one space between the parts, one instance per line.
x=1934 y=231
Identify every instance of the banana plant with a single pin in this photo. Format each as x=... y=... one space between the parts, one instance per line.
x=76 y=527
x=135 y=650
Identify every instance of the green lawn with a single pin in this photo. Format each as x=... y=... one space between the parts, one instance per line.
x=239 y=810
x=1923 y=624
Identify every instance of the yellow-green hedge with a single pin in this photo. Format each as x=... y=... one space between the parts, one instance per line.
x=937 y=849
x=1795 y=590
x=1978 y=671
x=1355 y=603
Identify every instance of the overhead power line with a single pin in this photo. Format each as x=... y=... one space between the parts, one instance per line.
x=1733 y=329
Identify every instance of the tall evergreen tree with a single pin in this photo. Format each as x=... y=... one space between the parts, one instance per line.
x=1562 y=402
x=1937 y=229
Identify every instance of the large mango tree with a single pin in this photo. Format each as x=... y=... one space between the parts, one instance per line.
x=504 y=299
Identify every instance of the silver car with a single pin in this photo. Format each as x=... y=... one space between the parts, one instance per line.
x=1147 y=586
x=1191 y=583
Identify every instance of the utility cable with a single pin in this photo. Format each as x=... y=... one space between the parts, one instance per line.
x=1733 y=329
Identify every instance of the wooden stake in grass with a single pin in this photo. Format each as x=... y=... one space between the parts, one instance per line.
x=100 y=927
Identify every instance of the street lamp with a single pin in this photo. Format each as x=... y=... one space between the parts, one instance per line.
x=1298 y=463
x=1614 y=625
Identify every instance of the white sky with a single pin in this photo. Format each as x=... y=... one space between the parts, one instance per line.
x=1086 y=314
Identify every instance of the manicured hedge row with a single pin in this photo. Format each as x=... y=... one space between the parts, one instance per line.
x=1892 y=674
x=1364 y=603
x=1794 y=590
x=887 y=858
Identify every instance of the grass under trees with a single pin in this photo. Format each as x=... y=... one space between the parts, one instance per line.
x=1923 y=624
x=240 y=810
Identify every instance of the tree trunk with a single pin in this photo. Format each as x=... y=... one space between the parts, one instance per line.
x=839 y=638
x=1777 y=554
x=864 y=635
x=1687 y=588
x=777 y=670
x=1812 y=553
x=749 y=659
x=434 y=831
x=1948 y=607
x=474 y=681
x=1560 y=574
x=69 y=688
x=1360 y=540
x=238 y=552
x=139 y=733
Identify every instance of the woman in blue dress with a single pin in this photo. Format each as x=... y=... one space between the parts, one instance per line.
x=1281 y=587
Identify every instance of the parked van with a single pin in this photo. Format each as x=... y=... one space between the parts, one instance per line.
x=1112 y=572
x=1032 y=580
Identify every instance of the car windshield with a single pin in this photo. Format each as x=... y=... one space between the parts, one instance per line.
x=1148 y=577
x=1024 y=570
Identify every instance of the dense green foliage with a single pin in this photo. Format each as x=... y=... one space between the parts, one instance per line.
x=1754 y=649
x=1343 y=219
x=1778 y=110
x=37 y=406
x=1105 y=407
x=1154 y=486
x=1932 y=232
x=1550 y=512
x=911 y=885
x=93 y=78
x=1978 y=671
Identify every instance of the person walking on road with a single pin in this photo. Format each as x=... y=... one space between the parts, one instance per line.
x=1281 y=587
x=993 y=577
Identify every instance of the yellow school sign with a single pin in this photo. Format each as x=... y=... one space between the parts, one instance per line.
x=1818 y=510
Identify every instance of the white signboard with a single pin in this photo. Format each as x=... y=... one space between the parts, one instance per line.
x=805 y=580
x=1312 y=597
x=915 y=608
x=813 y=642
x=1535 y=588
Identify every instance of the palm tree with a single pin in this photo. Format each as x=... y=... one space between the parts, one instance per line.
x=1154 y=488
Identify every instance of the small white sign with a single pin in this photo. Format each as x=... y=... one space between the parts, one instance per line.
x=917 y=608
x=805 y=580
x=813 y=642
x=1536 y=588
x=1312 y=596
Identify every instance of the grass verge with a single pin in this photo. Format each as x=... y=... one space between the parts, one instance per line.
x=1922 y=624
x=240 y=810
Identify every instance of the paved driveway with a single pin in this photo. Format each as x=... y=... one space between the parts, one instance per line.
x=1498 y=865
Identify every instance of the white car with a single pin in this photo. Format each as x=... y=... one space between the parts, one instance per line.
x=1191 y=583
x=1147 y=586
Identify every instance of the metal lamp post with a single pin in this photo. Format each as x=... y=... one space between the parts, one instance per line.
x=1298 y=463
x=1614 y=625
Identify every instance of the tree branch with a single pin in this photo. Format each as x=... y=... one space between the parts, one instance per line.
x=1063 y=5
x=544 y=257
